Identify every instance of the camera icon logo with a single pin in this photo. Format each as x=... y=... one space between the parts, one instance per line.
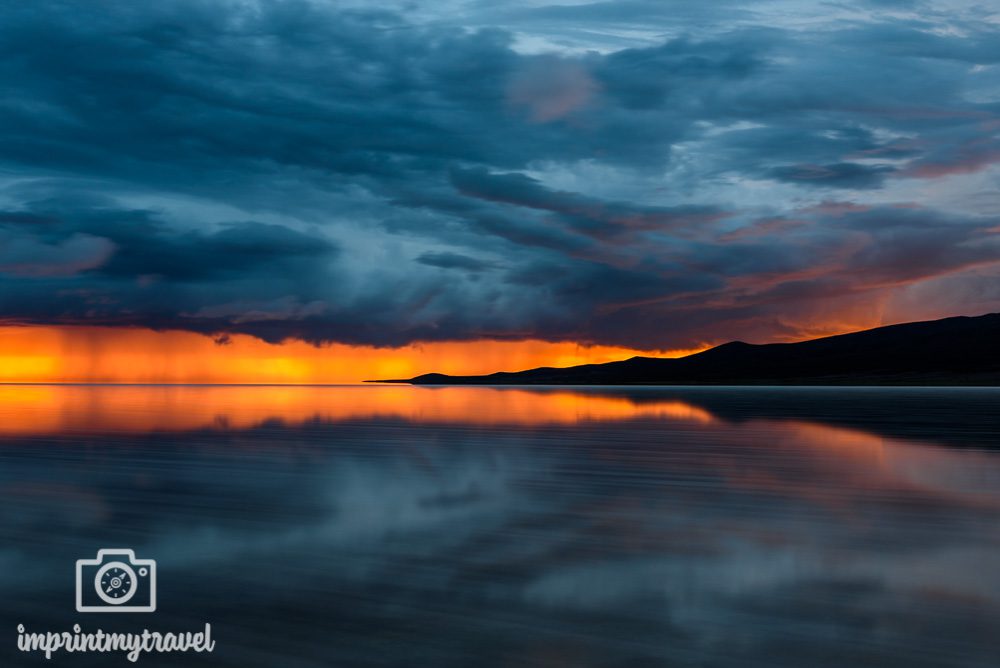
x=115 y=582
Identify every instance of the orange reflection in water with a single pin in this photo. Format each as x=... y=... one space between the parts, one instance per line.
x=791 y=459
x=47 y=409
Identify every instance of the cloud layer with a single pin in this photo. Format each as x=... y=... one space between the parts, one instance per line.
x=607 y=172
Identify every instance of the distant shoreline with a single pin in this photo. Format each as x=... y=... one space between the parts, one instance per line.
x=952 y=352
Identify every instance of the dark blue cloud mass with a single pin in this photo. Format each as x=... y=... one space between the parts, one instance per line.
x=648 y=174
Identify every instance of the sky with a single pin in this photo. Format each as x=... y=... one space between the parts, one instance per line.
x=445 y=183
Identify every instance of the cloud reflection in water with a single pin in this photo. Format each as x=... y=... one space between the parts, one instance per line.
x=484 y=526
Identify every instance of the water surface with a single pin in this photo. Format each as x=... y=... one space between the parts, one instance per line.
x=476 y=526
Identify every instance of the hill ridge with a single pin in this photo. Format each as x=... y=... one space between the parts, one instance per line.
x=960 y=350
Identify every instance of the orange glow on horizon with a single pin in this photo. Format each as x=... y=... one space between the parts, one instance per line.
x=117 y=355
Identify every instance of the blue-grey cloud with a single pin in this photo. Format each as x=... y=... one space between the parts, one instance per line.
x=837 y=175
x=448 y=260
x=608 y=172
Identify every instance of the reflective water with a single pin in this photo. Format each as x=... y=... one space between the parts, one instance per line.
x=439 y=527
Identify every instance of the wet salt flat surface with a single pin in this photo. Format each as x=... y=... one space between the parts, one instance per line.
x=474 y=526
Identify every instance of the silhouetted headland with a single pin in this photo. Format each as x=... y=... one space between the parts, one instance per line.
x=952 y=351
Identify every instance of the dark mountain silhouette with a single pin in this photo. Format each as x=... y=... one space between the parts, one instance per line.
x=952 y=351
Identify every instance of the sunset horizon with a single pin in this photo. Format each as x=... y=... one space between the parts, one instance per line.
x=114 y=355
x=634 y=180
x=506 y=333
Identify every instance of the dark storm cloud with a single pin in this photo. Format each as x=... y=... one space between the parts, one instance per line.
x=812 y=271
x=648 y=78
x=299 y=170
x=975 y=44
x=635 y=12
x=132 y=267
x=454 y=261
x=594 y=217
x=837 y=175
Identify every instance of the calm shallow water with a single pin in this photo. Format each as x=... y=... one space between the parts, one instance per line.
x=439 y=527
